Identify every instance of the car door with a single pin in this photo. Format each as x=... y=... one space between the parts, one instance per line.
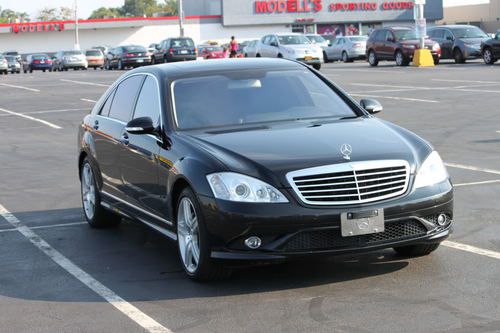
x=264 y=50
x=109 y=126
x=389 y=46
x=447 y=44
x=140 y=168
x=339 y=48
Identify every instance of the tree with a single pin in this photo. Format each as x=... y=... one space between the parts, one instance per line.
x=10 y=16
x=171 y=8
x=104 y=12
x=66 y=13
x=47 y=14
x=140 y=7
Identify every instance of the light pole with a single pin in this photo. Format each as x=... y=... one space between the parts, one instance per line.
x=77 y=42
x=180 y=11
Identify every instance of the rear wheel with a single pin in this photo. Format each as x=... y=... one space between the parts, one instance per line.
x=325 y=58
x=372 y=58
x=401 y=60
x=96 y=215
x=416 y=250
x=192 y=241
x=258 y=55
x=345 y=57
x=317 y=67
x=458 y=56
x=488 y=57
x=436 y=61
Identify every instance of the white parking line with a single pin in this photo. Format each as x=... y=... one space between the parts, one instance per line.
x=30 y=118
x=361 y=70
x=424 y=88
x=45 y=111
x=472 y=249
x=396 y=98
x=86 y=83
x=62 y=225
x=472 y=168
x=19 y=87
x=478 y=183
x=142 y=319
x=87 y=100
x=466 y=81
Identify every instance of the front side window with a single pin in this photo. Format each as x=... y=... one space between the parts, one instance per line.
x=148 y=103
x=124 y=99
x=260 y=96
x=107 y=106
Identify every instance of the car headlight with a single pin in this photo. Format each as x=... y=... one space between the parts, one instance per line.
x=436 y=47
x=409 y=46
x=237 y=187
x=431 y=172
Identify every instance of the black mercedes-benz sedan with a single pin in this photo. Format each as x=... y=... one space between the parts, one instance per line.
x=258 y=160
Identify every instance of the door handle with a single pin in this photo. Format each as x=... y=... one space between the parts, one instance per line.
x=124 y=139
x=96 y=125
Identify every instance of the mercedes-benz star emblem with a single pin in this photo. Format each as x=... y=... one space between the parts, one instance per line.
x=346 y=151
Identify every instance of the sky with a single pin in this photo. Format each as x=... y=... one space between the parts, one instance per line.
x=87 y=6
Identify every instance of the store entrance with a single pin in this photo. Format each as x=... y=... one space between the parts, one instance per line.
x=304 y=28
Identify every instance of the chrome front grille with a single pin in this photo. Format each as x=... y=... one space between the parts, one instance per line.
x=351 y=183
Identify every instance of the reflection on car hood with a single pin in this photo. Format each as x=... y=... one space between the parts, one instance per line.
x=477 y=41
x=302 y=48
x=278 y=149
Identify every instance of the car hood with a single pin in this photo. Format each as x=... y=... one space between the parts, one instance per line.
x=270 y=152
x=302 y=48
x=473 y=41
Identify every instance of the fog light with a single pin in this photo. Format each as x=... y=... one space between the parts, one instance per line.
x=442 y=220
x=253 y=242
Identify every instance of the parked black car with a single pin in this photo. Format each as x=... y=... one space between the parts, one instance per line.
x=122 y=57
x=490 y=49
x=175 y=49
x=458 y=42
x=273 y=179
x=37 y=62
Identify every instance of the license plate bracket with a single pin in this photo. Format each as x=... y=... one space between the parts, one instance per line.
x=362 y=223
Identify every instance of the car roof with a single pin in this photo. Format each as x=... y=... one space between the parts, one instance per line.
x=193 y=68
x=398 y=28
x=287 y=34
x=452 y=26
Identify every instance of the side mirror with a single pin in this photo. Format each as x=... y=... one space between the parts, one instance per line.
x=143 y=125
x=450 y=38
x=371 y=105
x=274 y=44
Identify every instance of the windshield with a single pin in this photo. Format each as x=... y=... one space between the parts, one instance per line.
x=11 y=59
x=213 y=49
x=93 y=53
x=293 y=40
x=469 y=32
x=134 y=48
x=405 y=34
x=249 y=97
x=316 y=39
x=72 y=53
x=183 y=42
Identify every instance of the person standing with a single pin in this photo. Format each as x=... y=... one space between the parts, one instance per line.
x=233 y=47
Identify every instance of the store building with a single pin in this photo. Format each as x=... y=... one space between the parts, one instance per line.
x=482 y=13
x=218 y=20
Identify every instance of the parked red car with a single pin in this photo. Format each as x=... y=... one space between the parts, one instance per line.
x=397 y=44
x=210 y=52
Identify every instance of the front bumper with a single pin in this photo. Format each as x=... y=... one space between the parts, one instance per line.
x=76 y=64
x=295 y=230
x=181 y=57
x=310 y=60
x=472 y=52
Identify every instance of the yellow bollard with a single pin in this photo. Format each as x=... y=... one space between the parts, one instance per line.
x=423 y=58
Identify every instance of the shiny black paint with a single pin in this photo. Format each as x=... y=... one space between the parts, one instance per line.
x=143 y=174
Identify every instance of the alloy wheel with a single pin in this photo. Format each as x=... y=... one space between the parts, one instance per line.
x=399 y=59
x=344 y=57
x=488 y=56
x=188 y=235
x=88 y=191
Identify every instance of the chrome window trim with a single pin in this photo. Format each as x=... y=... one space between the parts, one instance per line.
x=346 y=167
x=138 y=208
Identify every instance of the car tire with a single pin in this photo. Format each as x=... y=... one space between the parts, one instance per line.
x=436 y=61
x=192 y=241
x=257 y=55
x=96 y=215
x=458 y=56
x=416 y=250
x=372 y=58
x=25 y=71
x=120 y=65
x=43 y=70
x=325 y=58
x=345 y=57
x=317 y=67
x=488 y=57
x=401 y=60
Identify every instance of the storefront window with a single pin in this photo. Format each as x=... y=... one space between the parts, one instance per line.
x=367 y=29
x=303 y=28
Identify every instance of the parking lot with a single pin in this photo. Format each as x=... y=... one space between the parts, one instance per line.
x=58 y=275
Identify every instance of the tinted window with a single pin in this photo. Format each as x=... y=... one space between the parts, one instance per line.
x=448 y=35
x=107 y=106
x=148 y=104
x=125 y=97
x=405 y=34
x=93 y=53
x=181 y=42
x=379 y=35
x=134 y=48
x=72 y=53
x=210 y=101
x=469 y=32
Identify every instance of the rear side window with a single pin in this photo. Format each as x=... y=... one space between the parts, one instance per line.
x=107 y=106
x=124 y=99
x=148 y=103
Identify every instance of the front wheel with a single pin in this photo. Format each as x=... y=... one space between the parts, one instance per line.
x=488 y=57
x=345 y=57
x=401 y=60
x=416 y=250
x=436 y=61
x=325 y=57
x=95 y=214
x=192 y=241
x=372 y=59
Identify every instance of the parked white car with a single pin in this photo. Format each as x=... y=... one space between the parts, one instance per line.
x=317 y=39
x=290 y=46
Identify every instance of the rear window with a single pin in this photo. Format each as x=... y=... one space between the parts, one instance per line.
x=93 y=53
x=40 y=56
x=72 y=53
x=134 y=48
x=359 y=39
x=182 y=42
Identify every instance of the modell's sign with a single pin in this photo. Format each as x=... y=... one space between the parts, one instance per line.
x=37 y=27
x=314 y=6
